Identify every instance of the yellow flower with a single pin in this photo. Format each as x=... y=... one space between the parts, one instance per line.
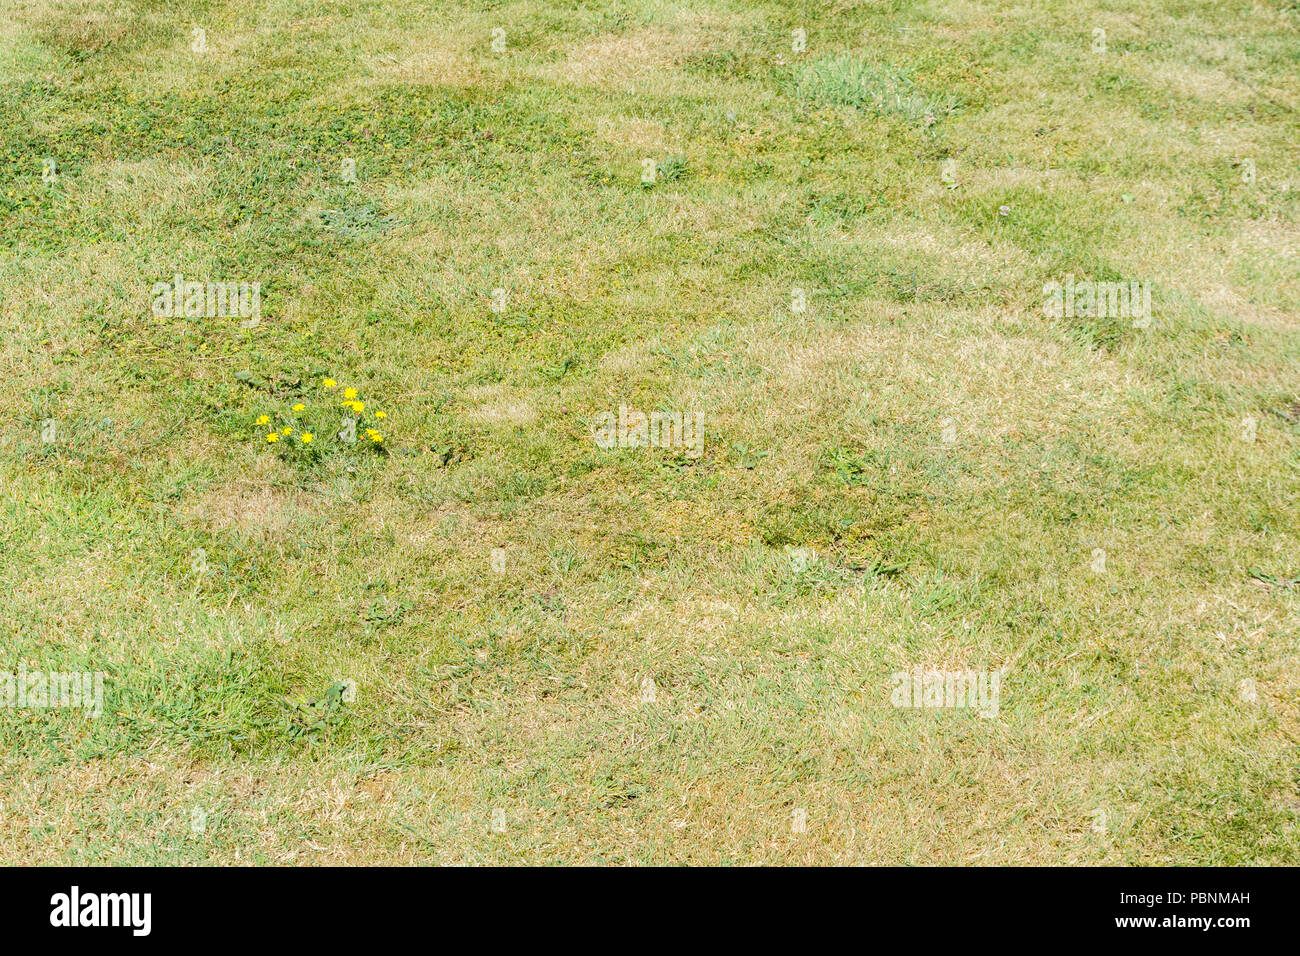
x=286 y=431
x=263 y=419
x=358 y=406
x=307 y=438
x=381 y=414
x=329 y=383
x=299 y=407
x=349 y=393
x=376 y=438
x=273 y=437
x=371 y=432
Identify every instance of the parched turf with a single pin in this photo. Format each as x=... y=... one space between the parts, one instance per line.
x=482 y=637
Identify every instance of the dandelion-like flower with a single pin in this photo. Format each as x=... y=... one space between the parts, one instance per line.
x=329 y=383
x=263 y=419
x=273 y=437
x=349 y=393
x=381 y=415
x=286 y=430
x=300 y=407
x=307 y=438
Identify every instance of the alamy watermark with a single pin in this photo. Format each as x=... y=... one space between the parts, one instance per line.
x=75 y=908
x=44 y=689
x=1108 y=300
x=977 y=690
x=209 y=300
x=633 y=429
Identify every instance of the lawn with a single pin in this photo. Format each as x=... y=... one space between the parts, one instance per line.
x=677 y=376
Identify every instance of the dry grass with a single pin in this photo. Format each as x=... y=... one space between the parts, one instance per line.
x=914 y=471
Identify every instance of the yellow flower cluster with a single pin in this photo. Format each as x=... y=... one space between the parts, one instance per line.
x=279 y=431
x=353 y=402
x=305 y=437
